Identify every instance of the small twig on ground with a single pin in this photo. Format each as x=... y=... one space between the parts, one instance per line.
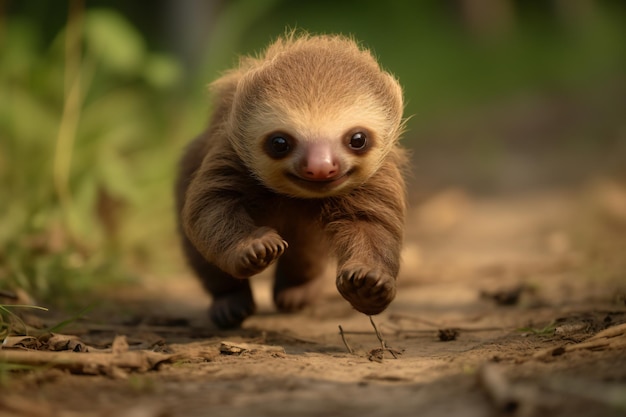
x=87 y=363
x=357 y=332
x=345 y=342
x=374 y=354
x=611 y=338
x=439 y=326
x=400 y=316
x=383 y=344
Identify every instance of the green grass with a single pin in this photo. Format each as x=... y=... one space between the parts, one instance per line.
x=547 y=330
x=11 y=323
x=81 y=135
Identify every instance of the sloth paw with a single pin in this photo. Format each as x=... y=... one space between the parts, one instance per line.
x=230 y=310
x=368 y=290
x=257 y=253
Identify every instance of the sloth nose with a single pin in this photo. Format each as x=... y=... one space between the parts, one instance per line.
x=320 y=169
x=319 y=162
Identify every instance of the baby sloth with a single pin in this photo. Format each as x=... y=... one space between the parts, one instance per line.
x=300 y=164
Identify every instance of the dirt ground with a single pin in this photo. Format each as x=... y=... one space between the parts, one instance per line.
x=519 y=283
x=511 y=301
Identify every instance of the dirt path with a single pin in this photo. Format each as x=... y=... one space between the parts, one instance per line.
x=517 y=282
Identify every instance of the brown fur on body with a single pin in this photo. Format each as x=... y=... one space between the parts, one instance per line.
x=242 y=207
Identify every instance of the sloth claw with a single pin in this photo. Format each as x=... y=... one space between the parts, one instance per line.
x=369 y=291
x=258 y=253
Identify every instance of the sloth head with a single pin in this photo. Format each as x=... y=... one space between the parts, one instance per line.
x=314 y=116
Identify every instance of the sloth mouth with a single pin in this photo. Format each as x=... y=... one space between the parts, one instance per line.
x=319 y=185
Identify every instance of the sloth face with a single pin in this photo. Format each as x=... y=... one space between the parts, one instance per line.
x=315 y=165
x=315 y=118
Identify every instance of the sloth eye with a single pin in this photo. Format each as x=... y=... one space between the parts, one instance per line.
x=358 y=141
x=278 y=146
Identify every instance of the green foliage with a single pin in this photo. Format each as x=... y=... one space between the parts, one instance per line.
x=9 y=320
x=547 y=330
x=442 y=63
x=82 y=121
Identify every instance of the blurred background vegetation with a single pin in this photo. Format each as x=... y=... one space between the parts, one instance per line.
x=97 y=99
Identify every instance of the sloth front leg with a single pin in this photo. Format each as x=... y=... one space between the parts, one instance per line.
x=224 y=276
x=225 y=247
x=253 y=253
x=368 y=265
x=224 y=233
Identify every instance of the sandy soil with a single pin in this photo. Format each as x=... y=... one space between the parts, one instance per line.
x=519 y=282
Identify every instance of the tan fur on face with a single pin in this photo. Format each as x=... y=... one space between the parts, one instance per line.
x=315 y=89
